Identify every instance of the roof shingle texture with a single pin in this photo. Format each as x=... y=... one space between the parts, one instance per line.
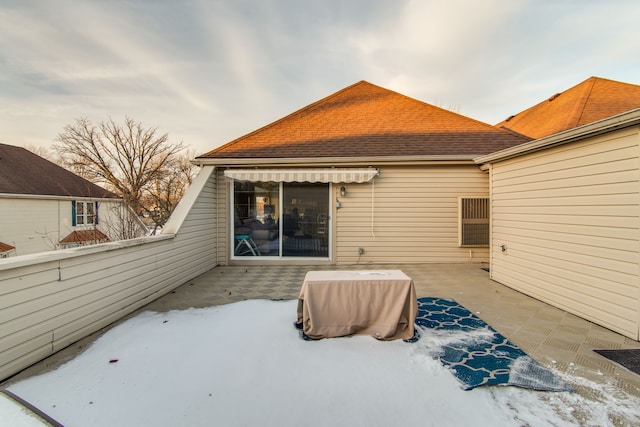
x=5 y=247
x=80 y=236
x=592 y=100
x=23 y=172
x=367 y=120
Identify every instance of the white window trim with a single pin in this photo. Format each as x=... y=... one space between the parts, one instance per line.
x=85 y=204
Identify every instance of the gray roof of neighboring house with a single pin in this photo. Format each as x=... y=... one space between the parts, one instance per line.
x=23 y=172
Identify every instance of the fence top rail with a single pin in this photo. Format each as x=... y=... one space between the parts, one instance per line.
x=58 y=255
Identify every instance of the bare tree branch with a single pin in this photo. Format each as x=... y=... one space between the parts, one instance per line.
x=169 y=187
x=127 y=158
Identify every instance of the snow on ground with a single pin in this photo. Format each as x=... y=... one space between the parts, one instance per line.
x=244 y=364
x=15 y=415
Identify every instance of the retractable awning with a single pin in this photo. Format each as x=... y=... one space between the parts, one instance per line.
x=324 y=175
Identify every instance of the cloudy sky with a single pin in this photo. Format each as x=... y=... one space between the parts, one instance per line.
x=208 y=71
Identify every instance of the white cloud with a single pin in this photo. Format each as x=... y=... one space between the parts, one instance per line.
x=207 y=72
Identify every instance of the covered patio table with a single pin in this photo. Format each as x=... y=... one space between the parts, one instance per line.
x=379 y=303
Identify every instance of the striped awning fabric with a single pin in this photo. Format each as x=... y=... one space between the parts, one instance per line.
x=325 y=175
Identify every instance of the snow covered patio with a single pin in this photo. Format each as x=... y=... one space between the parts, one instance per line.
x=607 y=393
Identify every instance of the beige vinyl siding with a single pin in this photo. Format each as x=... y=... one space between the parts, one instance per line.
x=223 y=223
x=408 y=214
x=51 y=300
x=568 y=218
x=31 y=225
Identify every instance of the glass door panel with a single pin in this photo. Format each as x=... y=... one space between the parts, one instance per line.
x=256 y=219
x=305 y=220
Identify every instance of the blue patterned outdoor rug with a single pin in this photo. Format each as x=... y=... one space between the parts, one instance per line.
x=476 y=353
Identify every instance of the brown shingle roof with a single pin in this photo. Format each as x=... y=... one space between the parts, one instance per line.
x=80 y=236
x=367 y=120
x=23 y=172
x=5 y=247
x=593 y=99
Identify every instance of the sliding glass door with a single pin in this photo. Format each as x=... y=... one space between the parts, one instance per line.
x=280 y=219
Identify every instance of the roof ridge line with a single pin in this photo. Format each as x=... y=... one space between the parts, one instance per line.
x=585 y=100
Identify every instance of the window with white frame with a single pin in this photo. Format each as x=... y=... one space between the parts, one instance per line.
x=84 y=213
x=473 y=221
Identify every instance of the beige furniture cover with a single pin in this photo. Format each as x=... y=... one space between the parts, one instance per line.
x=338 y=303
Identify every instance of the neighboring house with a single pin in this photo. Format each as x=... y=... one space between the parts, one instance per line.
x=5 y=250
x=364 y=175
x=44 y=207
